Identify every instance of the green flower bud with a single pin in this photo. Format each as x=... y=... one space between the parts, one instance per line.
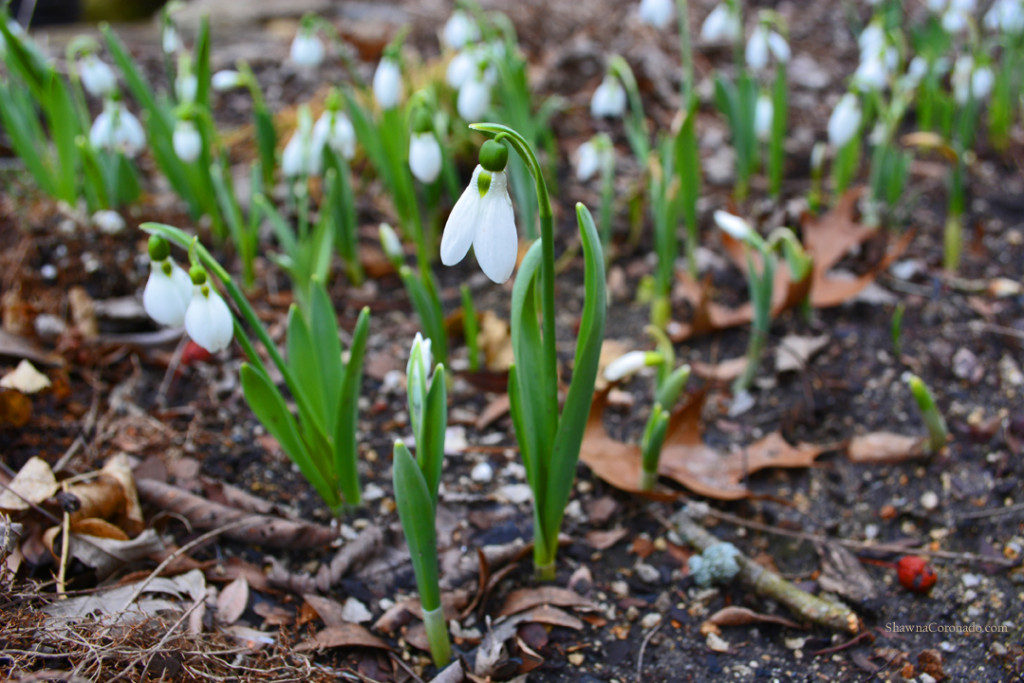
x=493 y=156
x=158 y=248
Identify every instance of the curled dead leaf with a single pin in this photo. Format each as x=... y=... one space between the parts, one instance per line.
x=743 y=616
x=34 y=483
x=345 y=635
x=885 y=448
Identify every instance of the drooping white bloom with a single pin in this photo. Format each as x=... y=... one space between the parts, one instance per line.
x=474 y=98
x=1006 y=16
x=936 y=6
x=300 y=156
x=187 y=142
x=185 y=87
x=208 y=319
x=955 y=21
x=461 y=68
x=630 y=363
x=483 y=218
x=170 y=42
x=425 y=156
x=756 y=52
x=872 y=39
x=459 y=30
x=307 y=50
x=779 y=47
x=872 y=74
x=764 y=112
x=167 y=293
x=228 y=79
x=844 y=122
x=982 y=81
x=736 y=227
x=387 y=83
x=117 y=129
x=609 y=98
x=657 y=13
x=391 y=245
x=335 y=130
x=722 y=25
x=961 y=78
x=98 y=78
x=588 y=161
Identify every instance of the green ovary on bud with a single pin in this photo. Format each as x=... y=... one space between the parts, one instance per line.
x=421 y=121
x=158 y=247
x=493 y=156
x=483 y=182
x=198 y=275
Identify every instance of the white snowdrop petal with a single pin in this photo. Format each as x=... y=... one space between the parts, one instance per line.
x=844 y=122
x=626 y=364
x=425 y=157
x=459 y=30
x=588 y=161
x=187 y=142
x=208 y=321
x=756 y=52
x=657 y=13
x=609 y=98
x=496 y=242
x=733 y=224
x=474 y=99
x=98 y=78
x=166 y=297
x=387 y=83
x=307 y=50
x=225 y=80
x=763 y=115
x=460 y=69
x=779 y=47
x=461 y=225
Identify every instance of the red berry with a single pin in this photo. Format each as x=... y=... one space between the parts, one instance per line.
x=194 y=353
x=915 y=574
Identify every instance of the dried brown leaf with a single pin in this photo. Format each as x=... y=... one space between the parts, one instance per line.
x=525 y=599
x=495 y=341
x=330 y=611
x=685 y=457
x=34 y=483
x=100 y=528
x=843 y=574
x=743 y=616
x=15 y=408
x=885 y=447
x=724 y=372
x=107 y=555
x=602 y=540
x=345 y=635
x=232 y=601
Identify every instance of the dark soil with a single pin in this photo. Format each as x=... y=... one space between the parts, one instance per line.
x=955 y=334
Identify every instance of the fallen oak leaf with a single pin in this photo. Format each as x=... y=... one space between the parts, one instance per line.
x=685 y=457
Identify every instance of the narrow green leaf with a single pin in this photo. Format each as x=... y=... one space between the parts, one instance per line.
x=302 y=359
x=566 y=451
x=346 y=449
x=323 y=327
x=417 y=514
x=430 y=453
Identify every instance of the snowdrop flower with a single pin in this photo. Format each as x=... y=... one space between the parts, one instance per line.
x=961 y=78
x=117 y=129
x=955 y=21
x=1006 y=16
x=844 y=122
x=208 y=319
x=168 y=289
x=872 y=74
x=736 y=227
x=916 y=71
x=756 y=52
x=981 y=82
x=185 y=87
x=872 y=39
x=722 y=25
x=387 y=83
x=187 y=142
x=98 y=78
x=483 y=218
x=391 y=245
x=609 y=98
x=474 y=98
x=459 y=30
x=228 y=79
x=936 y=6
x=417 y=368
x=657 y=13
x=307 y=50
x=301 y=157
x=779 y=47
x=460 y=68
x=425 y=157
x=764 y=112
x=630 y=363
x=335 y=130
x=593 y=155
x=170 y=42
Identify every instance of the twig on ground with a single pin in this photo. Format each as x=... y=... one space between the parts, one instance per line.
x=972 y=558
x=353 y=553
x=769 y=584
x=640 y=657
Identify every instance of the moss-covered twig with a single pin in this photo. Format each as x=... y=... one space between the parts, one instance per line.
x=768 y=584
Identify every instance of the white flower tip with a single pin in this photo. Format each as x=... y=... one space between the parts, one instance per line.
x=736 y=227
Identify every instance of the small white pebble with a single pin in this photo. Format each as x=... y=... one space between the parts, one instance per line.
x=871 y=532
x=482 y=473
x=620 y=588
x=392 y=381
x=49 y=326
x=109 y=222
x=355 y=612
x=925 y=678
x=372 y=492
x=650 y=620
x=516 y=493
x=647 y=573
x=929 y=500
x=48 y=271
x=971 y=580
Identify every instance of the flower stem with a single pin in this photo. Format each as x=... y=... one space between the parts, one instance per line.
x=437 y=636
